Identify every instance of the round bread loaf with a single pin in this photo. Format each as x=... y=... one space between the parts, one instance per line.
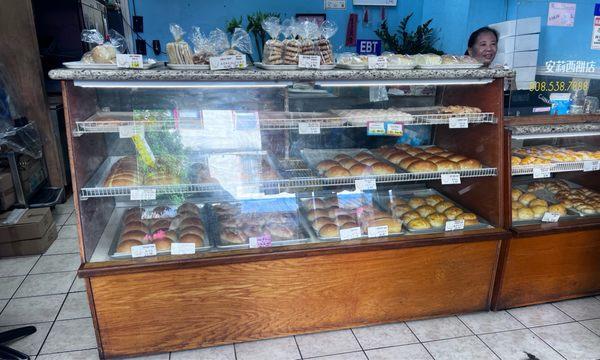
x=433 y=200
x=469 y=219
x=437 y=220
x=516 y=205
x=125 y=246
x=434 y=150
x=447 y=165
x=160 y=224
x=425 y=210
x=398 y=156
x=525 y=199
x=192 y=230
x=409 y=216
x=363 y=156
x=557 y=209
x=134 y=225
x=424 y=156
x=445 y=154
x=443 y=206
x=516 y=194
x=318 y=223
x=360 y=170
x=414 y=151
x=134 y=235
x=538 y=211
x=227 y=235
x=370 y=161
x=418 y=224
x=326 y=165
x=312 y=214
x=340 y=157
x=422 y=166
x=281 y=232
x=191 y=221
x=188 y=207
x=453 y=212
x=171 y=235
x=457 y=158
x=192 y=238
x=538 y=202
x=394 y=226
x=337 y=171
x=342 y=219
x=469 y=164
x=525 y=214
x=348 y=163
x=329 y=231
x=407 y=162
x=515 y=160
x=401 y=210
x=415 y=202
x=437 y=159
x=349 y=225
x=162 y=244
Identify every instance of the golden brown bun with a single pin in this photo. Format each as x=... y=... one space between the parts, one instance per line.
x=397 y=157
x=191 y=221
x=349 y=225
x=315 y=203
x=192 y=238
x=318 y=223
x=437 y=220
x=453 y=212
x=516 y=194
x=433 y=200
x=403 y=146
x=515 y=160
x=422 y=166
x=424 y=156
x=538 y=211
x=457 y=158
x=337 y=171
x=134 y=235
x=401 y=210
x=125 y=246
x=538 y=202
x=447 y=165
x=329 y=231
x=342 y=219
x=394 y=226
x=516 y=205
x=525 y=199
x=434 y=150
x=445 y=154
x=469 y=218
x=409 y=216
x=360 y=170
x=415 y=202
x=348 y=163
x=188 y=207
x=363 y=156
x=135 y=225
x=425 y=210
x=515 y=214
x=311 y=215
x=370 y=161
x=162 y=244
x=407 y=162
x=340 y=157
x=231 y=236
x=418 y=224
x=380 y=168
x=557 y=209
x=414 y=151
x=171 y=235
x=281 y=232
x=437 y=159
x=326 y=165
x=160 y=224
x=192 y=230
x=443 y=206
x=525 y=214
x=469 y=164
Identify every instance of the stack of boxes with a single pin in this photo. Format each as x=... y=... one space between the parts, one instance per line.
x=7 y=189
x=518 y=48
x=31 y=233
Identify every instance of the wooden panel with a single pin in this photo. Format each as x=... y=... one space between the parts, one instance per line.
x=196 y=307
x=550 y=268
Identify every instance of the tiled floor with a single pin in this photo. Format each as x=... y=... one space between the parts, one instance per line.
x=44 y=291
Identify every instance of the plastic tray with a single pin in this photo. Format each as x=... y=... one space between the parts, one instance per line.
x=83 y=66
x=188 y=66
x=271 y=67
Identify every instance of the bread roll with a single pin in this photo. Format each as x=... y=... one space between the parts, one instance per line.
x=557 y=209
x=403 y=146
x=515 y=160
x=397 y=157
x=414 y=151
x=401 y=210
x=360 y=170
x=326 y=165
x=469 y=164
x=342 y=219
x=425 y=210
x=437 y=220
x=125 y=246
x=457 y=158
x=337 y=171
x=227 y=236
x=311 y=215
x=424 y=156
x=394 y=226
x=160 y=224
x=445 y=154
x=329 y=231
x=188 y=207
x=538 y=202
x=516 y=194
x=418 y=224
x=134 y=225
x=538 y=211
x=525 y=199
x=380 y=168
x=134 y=235
x=191 y=221
x=192 y=238
x=515 y=214
x=407 y=162
x=281 y=232
x=409 y=216
x=443 y=206
x=162 y=244
x=370 y=161
x=453 y=212
x=349 y=225
x=469 y=218
x=348 y=163
x=422 y=166
x=415 y=202
x=436 y=159
x=362 y=156
x=397 y=202
x=517 y=205
x=525 y=214
x=340 y=157
x=433 y=200
x=171 y=235
x=447 y=165
x=318 y=223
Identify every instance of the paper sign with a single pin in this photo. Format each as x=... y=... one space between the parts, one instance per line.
x=227 y=62
x=309 y=128
x=591 y=165
x=309 y=61
x=260 y=241
x=459 y=123
x=450 y=179
x=365 y=184
x=143 y=250
x=128 y=131
x=394 y=129
x=183 y=248
x=561 y=14
x=375 y=128
x=377 y=231
x=596 y=32
x=245 y=120
x=143 y=194
x=550 y=217
x=130 y=61
x=335 y=4
x=352 y=233
x=368 y=47
x=541 y=172
x=455 y=225
x=377 y=62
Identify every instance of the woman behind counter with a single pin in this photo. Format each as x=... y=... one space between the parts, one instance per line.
x=483 y=45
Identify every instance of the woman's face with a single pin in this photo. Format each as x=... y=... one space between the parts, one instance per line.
x=485 y=48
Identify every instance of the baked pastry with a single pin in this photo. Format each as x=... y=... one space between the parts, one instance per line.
x=409 y=216
x=191 y=221
x=515 y=160
x=135 y=225
x=413 y=151
x=447 y=165
x=557 y=209
x=318 y=223
x=443 y=206
x=342 y=219
x=394 y=226
x=398 y=156
x=516 y=194
x=326 y=165
x=348 y=163
x=515 y=214
x=406 y=162
x=398 y=202
x=360 y=170
x=125 y=246
x=337 y=171
x=228 y=236
x=312 y=214
x=436 y=159
x=415 y=202
x=329 y=231
x=422 y=166
x=340 y=157
x=370 y=161
x=418 y=224
x=434 y=150
x=162 y=244
x=280 y=232
x=453 y=212
x=134 y=235
x=517 y=205
x=538 y=202
x=424 y=156
x=433 y=200
x=469 y=164
x=398 y=211
x=525 y=214
x=538 y=211
x=525 y=199
x=425 y=210
x=160 y=224
x=380 y=168
x=469 y=219
x=362 y=156
x=437 y=220
x=457 y=158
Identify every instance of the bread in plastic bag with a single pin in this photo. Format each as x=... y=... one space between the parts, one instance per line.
x=105 y=52
x=309 y=32
x=326 y=30
x=178 y=51
x=291 y=46
x=240 y=43
x=273 y=48
x=203 y=48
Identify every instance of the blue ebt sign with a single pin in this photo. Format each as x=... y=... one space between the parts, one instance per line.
x=368 y=47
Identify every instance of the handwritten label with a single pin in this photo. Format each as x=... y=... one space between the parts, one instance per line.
x=130 y=61
x=377 y=62
x=309 y=128
x=375 y=128
x=454 y=225
x=351 y=233
x=541 y=172
x=227 y=62
x=450 y=179
x=365 y=184
x=309 y=61
x=183 y=248
x=260 y=241
x=143 y=194
x=394 y=129
x=459 y=123
x=591 y=165
x=377 y=231
x=127 y=131
x=550 y=217
x=143 y=250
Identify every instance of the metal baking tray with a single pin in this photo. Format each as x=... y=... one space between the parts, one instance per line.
x=203 y=216
x=314 y=156
x=382 y=199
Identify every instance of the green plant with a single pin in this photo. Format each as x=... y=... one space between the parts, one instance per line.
x=255 y=28
x=233 y=24
x=420 y=41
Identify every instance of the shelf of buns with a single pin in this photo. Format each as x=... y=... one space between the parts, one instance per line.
x=553 y=159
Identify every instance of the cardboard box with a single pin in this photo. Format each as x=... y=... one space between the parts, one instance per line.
x=32 y=225
x=517 y=59
x=7 y=199
x=511 y=44
x=5 y=180
x=29 y=247
x=32 y=177
x=518 y=27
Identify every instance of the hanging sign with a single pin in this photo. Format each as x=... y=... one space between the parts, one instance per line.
x=596 y=29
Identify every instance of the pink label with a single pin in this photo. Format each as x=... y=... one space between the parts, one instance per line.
x=176 y=118
x=260 y=241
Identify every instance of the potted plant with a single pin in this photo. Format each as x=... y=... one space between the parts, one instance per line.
x=420 y=41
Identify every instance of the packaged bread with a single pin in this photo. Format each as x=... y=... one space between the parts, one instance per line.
x=178 y=51
x=203 y=48
x=291 y=46
x=428 y=59
x=240 y=43
x=104 y=52
x=273 y=48
x=327 y=30
x=309 y=32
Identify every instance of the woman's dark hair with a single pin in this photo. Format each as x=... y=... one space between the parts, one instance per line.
x=476 y=33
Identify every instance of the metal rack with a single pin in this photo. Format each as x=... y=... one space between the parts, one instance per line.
x=553 y=168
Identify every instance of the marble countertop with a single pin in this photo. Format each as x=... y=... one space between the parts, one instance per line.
x=554 y=129
x=252 y=74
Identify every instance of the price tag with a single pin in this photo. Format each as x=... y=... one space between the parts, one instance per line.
x=130 y=61
x=459 y=123
x=550 y=217
x=183 y=248
x=309 y=61
x=227 y=62
x=377 y=231
x=394 y=129
x=127 y=131
x=591 y=165
x=352 y=233
x=377 y=62
x=453 y=225
x=375 y=128
x=260 y=241
x=143 y=194
x=365 y=184
x=541 y=172
x=143 y=250
x=450 y=179
x=309 y=128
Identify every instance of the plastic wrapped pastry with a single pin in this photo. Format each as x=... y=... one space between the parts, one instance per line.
x=291 y=46
x=105 y=52
x=327 y=29
x=203 y=48
x=273 y=48
x=178 y=51
x=428 y=59
x=309 y=31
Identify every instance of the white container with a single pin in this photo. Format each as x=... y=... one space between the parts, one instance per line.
x=518 y=27
x=517 y=59
x=511 y=44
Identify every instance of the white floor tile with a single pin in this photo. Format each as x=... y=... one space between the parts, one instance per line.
x=78 y=285
x=466 y=348
x=327 y=343
x=406 y=352
x=70 y=335
x=225 y=352
x=68 y=231
x=282 y=348
x=8 y=286
x=63 y=246
x=515 y=345
x=571 y=340
x=56 y=263
x=31 y=344
x=31 y=310
x=72 y=220
x=65 y=208
x=46 y=284
x=490 y=321
x=438 y=329
x=164 y=356
x=73 y=355
x=60 y=219
x=580 y=309
x=76 y=306
x=377 y=336
x=539 y=315
x=358 y=355
x=593 y=325
x=17 y=265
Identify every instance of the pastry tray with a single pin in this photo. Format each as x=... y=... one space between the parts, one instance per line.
x=382 y=199
x=267 y=206
x=203 y=215
x=272 y=67
x=188 y=66
x=83 y=66
x=314 y=156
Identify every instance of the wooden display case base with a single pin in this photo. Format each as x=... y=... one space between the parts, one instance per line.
x=192 y=307
x=548 y=267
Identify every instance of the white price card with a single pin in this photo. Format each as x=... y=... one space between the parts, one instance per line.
x=351 y=233
x=394 y=129
x=127 y=131
x=130 y=61
x=309 y=61
x=260 y=241
x=459 y=123
x=227 y=62
x=550 y=217
x=450 y=179
x=375 y=128
x=454 y=225
x=309 y=128
x=541 y=172
x=183 y=248
x=143 y=250
x=591 y=165
x=365 y=184
x=377 y=62
x=377 y=231
x=142 y=194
